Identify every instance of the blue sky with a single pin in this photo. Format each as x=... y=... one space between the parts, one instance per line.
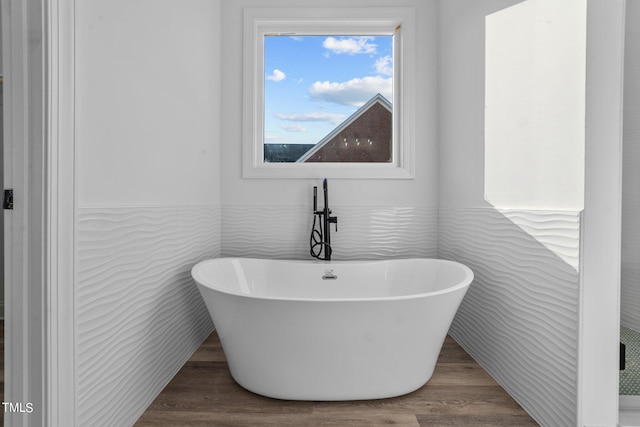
x=313 y=83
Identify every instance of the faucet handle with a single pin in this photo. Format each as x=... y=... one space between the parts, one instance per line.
x=315 y=199
x=334 y=220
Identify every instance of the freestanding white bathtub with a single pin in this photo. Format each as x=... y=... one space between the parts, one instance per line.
x=367 y=330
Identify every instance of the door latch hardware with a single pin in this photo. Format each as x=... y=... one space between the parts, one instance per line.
x=7 y=201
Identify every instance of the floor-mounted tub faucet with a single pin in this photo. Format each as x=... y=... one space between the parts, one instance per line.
x=320 y=235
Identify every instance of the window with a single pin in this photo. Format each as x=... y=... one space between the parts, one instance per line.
x=327 y=98
x=311 y=107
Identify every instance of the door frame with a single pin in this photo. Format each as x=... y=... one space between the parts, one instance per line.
x=24 y=320
x=39 y=164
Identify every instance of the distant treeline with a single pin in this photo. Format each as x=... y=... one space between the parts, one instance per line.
x=281 y=153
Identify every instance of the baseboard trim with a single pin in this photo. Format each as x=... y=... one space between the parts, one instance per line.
x=629 y=403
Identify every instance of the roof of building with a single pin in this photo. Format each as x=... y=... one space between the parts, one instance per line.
x=378 y=99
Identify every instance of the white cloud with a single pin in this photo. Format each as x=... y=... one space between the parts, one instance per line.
x=384 y=65
x=270 y=138
x=294 y=128
x=355 y=92
x=312 y=117
x=276 y=76
x=350 y=45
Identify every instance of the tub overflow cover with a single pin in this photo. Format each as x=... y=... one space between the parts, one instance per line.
x=329 y=275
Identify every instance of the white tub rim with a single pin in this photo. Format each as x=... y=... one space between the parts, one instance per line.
x=463 y=284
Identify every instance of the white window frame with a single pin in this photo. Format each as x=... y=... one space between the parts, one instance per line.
x=397 y=21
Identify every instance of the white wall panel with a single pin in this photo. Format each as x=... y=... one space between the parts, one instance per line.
x=630 y=275
x=364 y=232
x=139 y=314
x=147 y=102
x=535 y=103
x=519 y=319
x=147 y=142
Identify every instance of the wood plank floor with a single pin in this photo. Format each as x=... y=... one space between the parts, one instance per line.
x=460 y=393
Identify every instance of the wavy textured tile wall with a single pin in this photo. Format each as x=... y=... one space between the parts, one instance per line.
x=364 y=232
x=139 y=315
x=519 y=319
x=135 y=295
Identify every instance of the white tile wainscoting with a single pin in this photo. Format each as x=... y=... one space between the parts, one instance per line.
x=139 y=315
x=135 y=295
x=519 y=319
x=134 y=292
x=364 y=232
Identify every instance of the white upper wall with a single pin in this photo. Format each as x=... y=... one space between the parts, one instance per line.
x=534 y=134
x=461 y=107
x=421 y=191
x=147 y=102
x=630 y=301
x=535 y=105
